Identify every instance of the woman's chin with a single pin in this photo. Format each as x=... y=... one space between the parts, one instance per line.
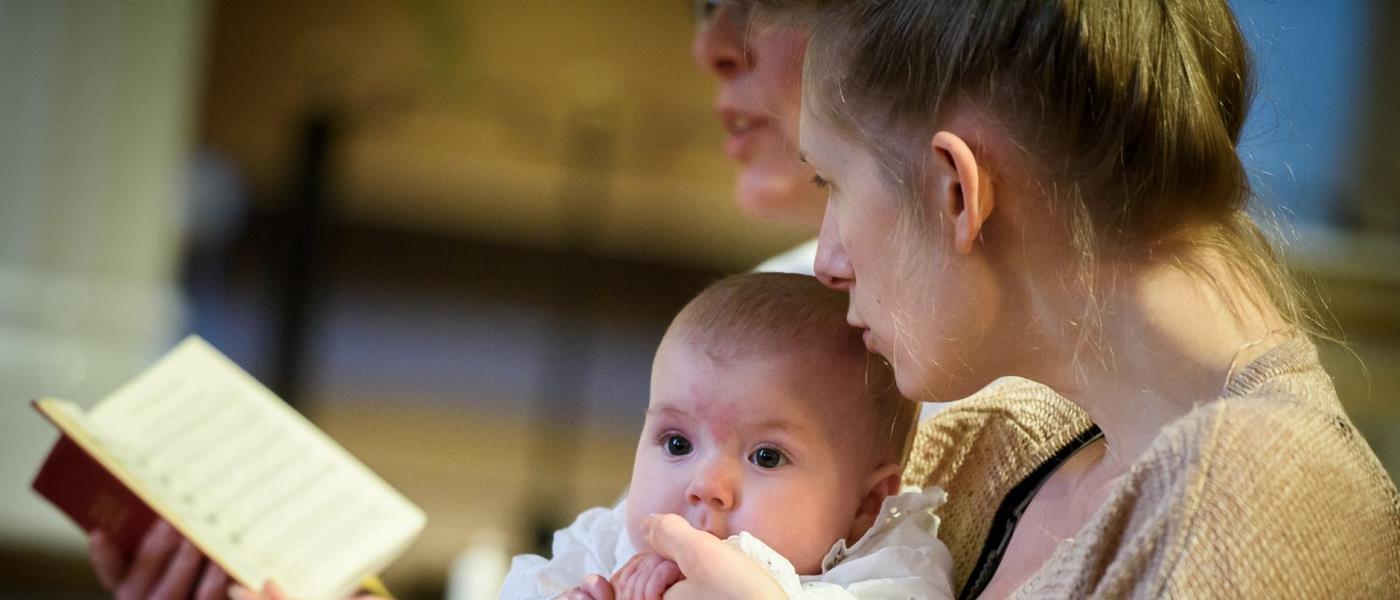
x=781 y=197
x=936 y=388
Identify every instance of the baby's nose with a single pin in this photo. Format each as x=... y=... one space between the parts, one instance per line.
x=715 y=486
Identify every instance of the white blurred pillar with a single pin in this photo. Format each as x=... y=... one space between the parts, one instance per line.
x=96 y=107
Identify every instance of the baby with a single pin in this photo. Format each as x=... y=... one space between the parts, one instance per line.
x=771 y=427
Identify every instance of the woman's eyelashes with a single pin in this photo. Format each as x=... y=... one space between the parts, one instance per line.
x=818 y=181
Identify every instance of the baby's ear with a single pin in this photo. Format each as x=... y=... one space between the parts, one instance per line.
x=882 y=483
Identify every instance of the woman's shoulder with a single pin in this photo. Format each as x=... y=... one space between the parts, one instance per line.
x=1270 y=483
x=1008 y=406
x=1280 y=412
x=1266 y=440
x=1012 y=424
x=980 y=447
x=1262 y=495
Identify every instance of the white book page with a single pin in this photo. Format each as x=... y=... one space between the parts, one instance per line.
x=264 y=491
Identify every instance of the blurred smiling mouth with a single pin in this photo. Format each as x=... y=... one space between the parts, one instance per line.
x=739 y=125
x=741 y=128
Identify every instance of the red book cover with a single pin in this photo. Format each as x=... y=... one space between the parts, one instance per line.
x=92 y=496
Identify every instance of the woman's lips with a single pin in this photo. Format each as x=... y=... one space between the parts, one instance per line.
x=737 y=147
x=743 y=130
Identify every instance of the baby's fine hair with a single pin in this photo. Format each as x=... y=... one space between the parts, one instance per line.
x=756 y=314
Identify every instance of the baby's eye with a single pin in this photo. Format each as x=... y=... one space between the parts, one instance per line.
x=768 y=458
x=818 y=181
x=676 y=445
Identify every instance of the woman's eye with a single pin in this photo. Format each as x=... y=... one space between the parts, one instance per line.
x=768 y=458
x=676 y=445
x=818 y=181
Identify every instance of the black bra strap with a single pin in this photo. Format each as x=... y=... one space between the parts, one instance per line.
x=1010 y=511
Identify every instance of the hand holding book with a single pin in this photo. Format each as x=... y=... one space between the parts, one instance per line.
x=195 y=462
x=166 y=565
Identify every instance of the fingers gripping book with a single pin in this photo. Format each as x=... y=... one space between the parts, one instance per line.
x=260 y=490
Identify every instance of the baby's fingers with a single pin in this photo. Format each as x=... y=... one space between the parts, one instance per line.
x=594 y=587
x=631 y=589
x=637 y=590
x=621 y=580
x=672 y=537
x=665 y=574
x=646 y=575
x=710 y=568
x=598 y=588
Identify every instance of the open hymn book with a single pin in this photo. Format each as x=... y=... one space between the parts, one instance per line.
x=258 y=488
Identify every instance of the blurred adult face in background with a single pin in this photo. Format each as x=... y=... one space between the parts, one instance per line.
x=759 y=68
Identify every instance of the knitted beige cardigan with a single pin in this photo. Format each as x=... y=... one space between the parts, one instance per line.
x=1265 y=492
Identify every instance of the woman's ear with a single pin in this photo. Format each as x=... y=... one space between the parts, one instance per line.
x=961 y=191
x=881 y=484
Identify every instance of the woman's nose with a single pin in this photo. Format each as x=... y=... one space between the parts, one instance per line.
x=832 y=267
x=719 y=42
x=714 y=485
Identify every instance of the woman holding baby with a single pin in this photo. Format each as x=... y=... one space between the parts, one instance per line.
x=1051 y=190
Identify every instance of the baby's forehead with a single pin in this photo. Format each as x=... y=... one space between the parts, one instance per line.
x=820 y=393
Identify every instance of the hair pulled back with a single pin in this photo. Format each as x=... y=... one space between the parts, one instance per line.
x=1129 y=110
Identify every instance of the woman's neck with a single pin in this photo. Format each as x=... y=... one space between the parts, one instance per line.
x=1165 y=340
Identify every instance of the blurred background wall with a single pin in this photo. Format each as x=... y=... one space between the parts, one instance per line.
x=452 y=231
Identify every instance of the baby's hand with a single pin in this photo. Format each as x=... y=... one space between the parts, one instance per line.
x=594 y=587
x=713 y=570
x=646 y=577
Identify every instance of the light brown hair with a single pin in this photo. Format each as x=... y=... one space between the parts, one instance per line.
x=742 y=316
x=1130 y=111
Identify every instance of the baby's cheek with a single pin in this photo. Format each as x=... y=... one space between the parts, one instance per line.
x=638 y=538
x=803 y=533
x=636 y=513
x=653 y=490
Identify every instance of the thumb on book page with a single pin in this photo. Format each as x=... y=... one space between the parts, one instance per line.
x=270 y=591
